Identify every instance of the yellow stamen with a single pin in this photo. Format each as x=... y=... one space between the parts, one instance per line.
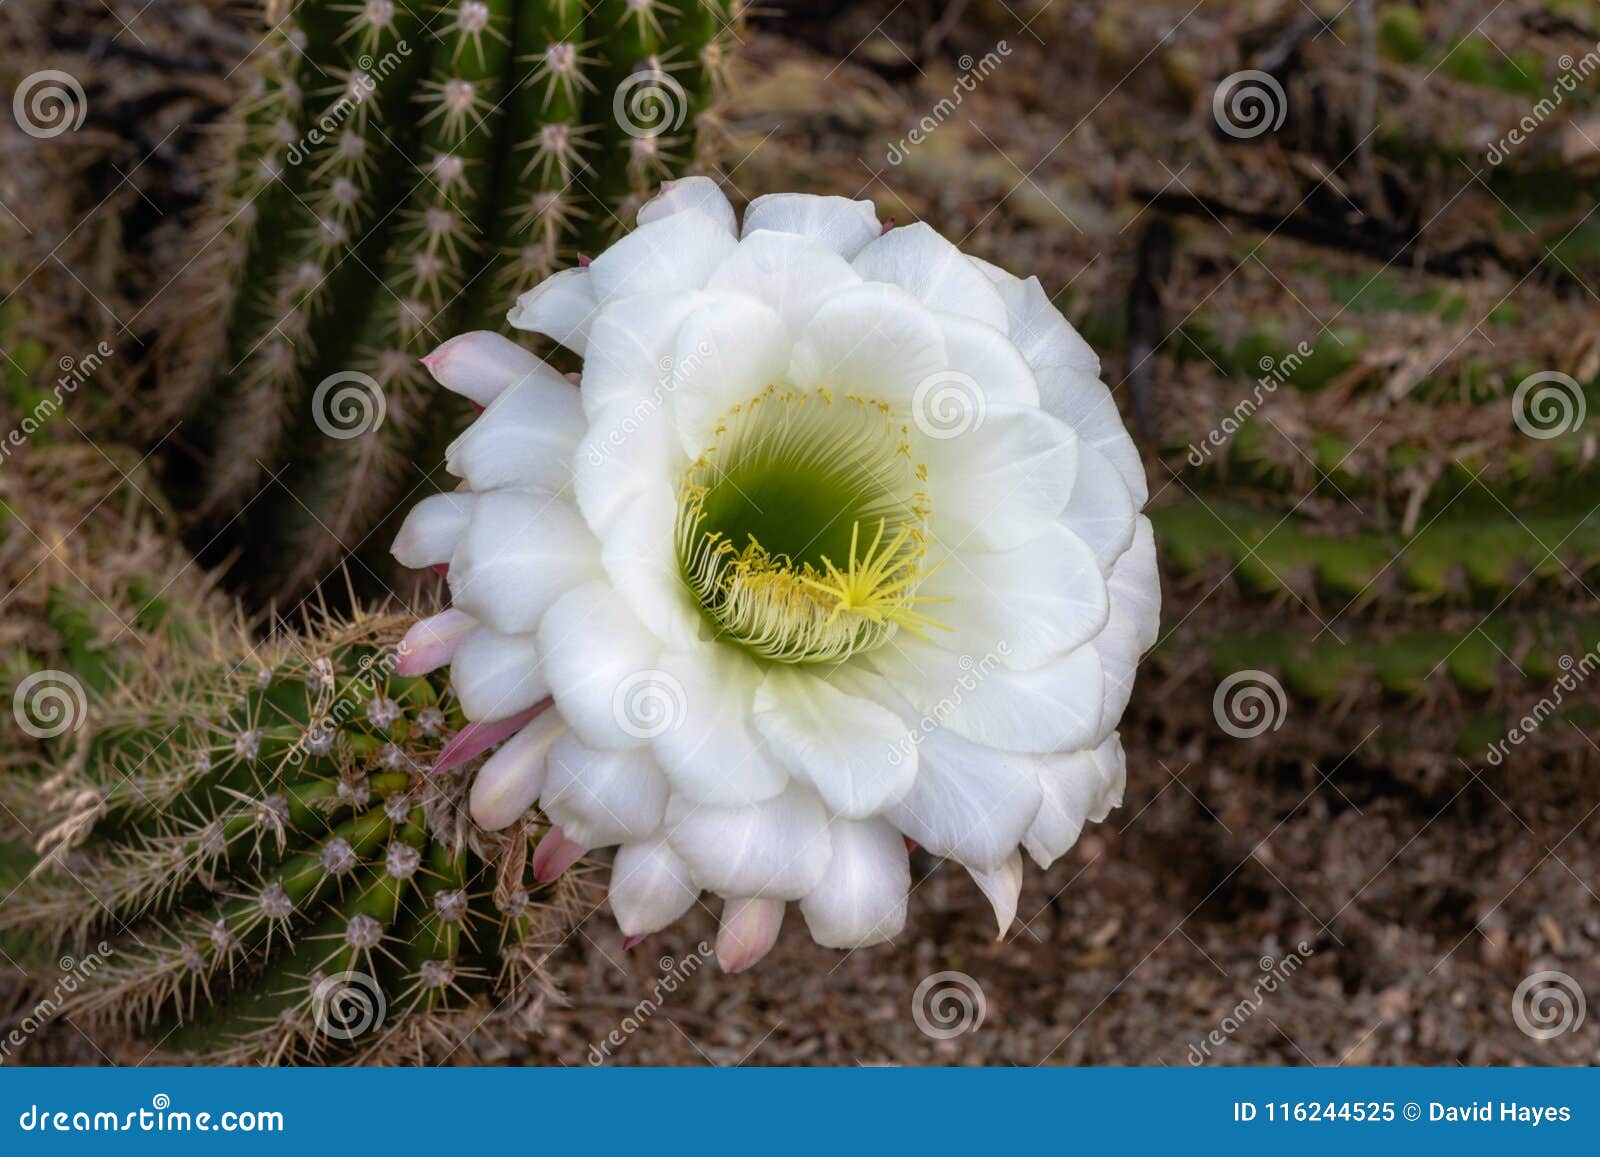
x=874 y=585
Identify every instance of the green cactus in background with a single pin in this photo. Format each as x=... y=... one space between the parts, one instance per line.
x=241 y=838
x=397 y=175
x=250 y=846
x=1369 y=417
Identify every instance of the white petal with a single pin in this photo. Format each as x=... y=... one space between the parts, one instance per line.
x=699 y=194
x=861 y=899
x=749 y=930
x=712 y=751
x=854 y=752
x=790 y=273
x=934 y=271
x=1118 y=650
x=1113 y=764
x=432 y=528
x=1001 y=482
x=641 y=559
x=432 y=642
x=1027 y=605
x=985 y=356
x=562 y=306
x=671 y=254
x=520 y=553
x=628 y=450
x=481 y=364
x=511 y=778
x=602 y=798
x=525 y=438
x=596 y=654
x=1054 y=707
x=1135 y=585
x=1036 y=326
x=495 y=676
x=651 y=886
x=876 y=340
x=1002 y=885
x=1073 y=786
x=1084 y=403
x=727 y=352
x=970 y=804
x=1069 y=376
x=777 y=849
x=837 y=222
x=1100 y=511
x=631 y=351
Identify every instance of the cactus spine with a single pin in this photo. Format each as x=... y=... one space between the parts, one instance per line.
x=397 y=175
x=251 y=846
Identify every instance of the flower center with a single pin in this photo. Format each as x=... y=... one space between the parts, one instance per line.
x=802 y=530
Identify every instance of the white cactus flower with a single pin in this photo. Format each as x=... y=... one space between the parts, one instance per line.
x=835 y=549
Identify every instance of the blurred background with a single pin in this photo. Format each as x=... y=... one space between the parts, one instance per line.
x=1340 y=263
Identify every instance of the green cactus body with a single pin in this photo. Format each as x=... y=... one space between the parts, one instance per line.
x=395 y=176
x=254 y=851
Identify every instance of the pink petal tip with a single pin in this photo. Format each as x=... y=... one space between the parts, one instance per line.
x=476 y=738
x=554 y=855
